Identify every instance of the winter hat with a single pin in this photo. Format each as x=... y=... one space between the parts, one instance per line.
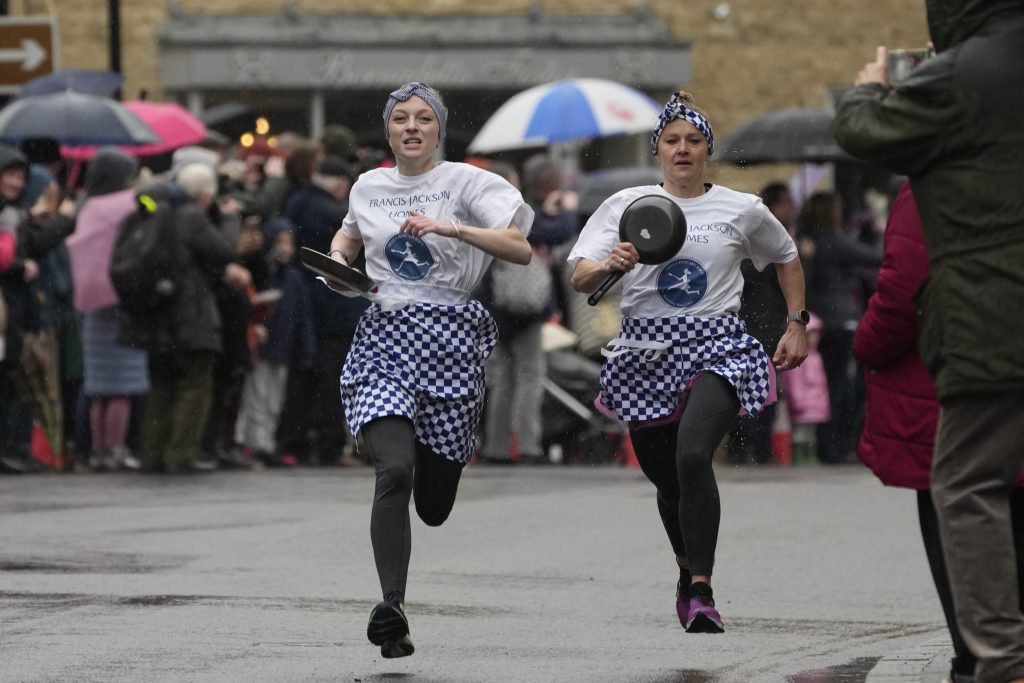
x=335 y=167
x=183 y=156
x=38 y=180
x=274 y=226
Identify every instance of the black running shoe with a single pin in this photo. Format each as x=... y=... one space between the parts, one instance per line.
x=397 y=648
x=389 y=628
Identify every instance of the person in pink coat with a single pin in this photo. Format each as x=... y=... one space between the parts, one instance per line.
x=114 y=373
x=902 y=410
x=806 y=391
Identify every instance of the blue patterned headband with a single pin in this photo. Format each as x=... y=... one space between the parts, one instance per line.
x=674 y=109
x=429 y=96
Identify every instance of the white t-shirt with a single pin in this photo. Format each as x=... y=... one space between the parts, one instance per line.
x=704 y=277
x=434 y=268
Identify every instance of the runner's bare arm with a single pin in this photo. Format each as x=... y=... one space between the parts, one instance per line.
x=345 y=249
x=589 y=275
x=507 y=245
x=792 y=348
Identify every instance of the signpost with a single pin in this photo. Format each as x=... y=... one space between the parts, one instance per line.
x=28 y=49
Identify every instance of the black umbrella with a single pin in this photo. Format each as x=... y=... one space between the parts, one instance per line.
x=794 y=135
x=88 y=81
x=597 y=186
x=73 y=118
x=230 y=119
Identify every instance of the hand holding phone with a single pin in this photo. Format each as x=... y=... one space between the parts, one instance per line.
x=901 y=62
x=874 y=72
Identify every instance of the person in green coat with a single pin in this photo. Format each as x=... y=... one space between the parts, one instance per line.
x=954 y=127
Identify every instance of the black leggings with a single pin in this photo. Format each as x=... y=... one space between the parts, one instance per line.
x=677 y=459
x=404 y=468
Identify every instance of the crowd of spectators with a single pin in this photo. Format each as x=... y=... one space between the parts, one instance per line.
x=242 y=372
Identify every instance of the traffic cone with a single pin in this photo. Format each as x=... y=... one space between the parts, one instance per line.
x=513 y=448
x=41 y=449
x=626 y=456
x=782 y=435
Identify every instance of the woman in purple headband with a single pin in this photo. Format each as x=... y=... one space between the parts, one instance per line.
x=413 y=382
x=683 y=365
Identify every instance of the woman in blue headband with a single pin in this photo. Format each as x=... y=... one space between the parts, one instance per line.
x=683 y=365
x=413 y=382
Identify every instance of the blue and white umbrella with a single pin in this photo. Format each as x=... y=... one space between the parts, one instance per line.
x=576 y=109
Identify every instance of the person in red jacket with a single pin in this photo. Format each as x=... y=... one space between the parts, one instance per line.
x=902 y=410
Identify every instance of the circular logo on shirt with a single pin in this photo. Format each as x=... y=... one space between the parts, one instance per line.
x=408 y=256
x=682 y=283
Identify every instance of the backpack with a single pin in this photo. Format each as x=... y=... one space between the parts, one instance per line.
x=145 y=268
x=524 y=291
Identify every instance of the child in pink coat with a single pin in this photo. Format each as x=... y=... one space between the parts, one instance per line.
x=806 y=392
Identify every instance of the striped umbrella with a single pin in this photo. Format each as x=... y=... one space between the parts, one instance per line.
x=576 y=109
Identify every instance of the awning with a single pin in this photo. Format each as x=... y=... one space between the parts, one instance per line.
x=294 y=51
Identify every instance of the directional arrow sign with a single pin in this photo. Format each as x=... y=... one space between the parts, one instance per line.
x=31 y=55
x=27 y=50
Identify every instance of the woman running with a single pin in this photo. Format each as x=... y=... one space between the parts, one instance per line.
x=683 y=365
x=413 y=382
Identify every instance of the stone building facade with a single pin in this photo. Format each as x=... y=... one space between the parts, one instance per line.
x=743 y=57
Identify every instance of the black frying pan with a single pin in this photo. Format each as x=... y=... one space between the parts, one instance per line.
x=656 y=227
x=324 y=265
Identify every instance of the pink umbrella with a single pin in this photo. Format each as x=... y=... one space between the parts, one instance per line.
x=176 y=126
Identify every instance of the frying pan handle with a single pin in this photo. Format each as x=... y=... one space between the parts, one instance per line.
x=605 y=286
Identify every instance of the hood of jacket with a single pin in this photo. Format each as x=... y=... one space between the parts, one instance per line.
x=951 y=22
x=9 y=158
x=111 y=170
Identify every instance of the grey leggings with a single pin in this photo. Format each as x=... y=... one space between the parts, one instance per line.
x=677 y=459
x=405 y=468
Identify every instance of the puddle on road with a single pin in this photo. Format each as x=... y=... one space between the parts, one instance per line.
x=157 y=600
x=690 y=676
x=854 y=672
x=93 y=563
x=51 y=600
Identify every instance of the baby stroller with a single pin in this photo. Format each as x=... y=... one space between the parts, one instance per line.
x=575 y=431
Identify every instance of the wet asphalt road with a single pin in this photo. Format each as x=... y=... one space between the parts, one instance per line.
x=541 y=574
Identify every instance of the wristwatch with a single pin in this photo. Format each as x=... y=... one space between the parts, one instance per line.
x=801 y=316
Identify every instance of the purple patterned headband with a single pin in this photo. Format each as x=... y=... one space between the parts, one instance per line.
x=674 y=109
x=429 y=96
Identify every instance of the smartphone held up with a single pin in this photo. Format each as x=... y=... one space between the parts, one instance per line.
x=902 y=62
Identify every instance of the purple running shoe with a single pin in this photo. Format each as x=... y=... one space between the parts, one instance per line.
x=683 y=602
x=703 y=617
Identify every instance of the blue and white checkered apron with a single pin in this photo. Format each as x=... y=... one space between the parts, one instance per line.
x=424 y=362
x=650 y=364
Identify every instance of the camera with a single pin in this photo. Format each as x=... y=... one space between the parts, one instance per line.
x=902 y=62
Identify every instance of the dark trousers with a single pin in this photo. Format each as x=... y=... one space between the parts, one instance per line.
x=979 y=453
x=838 y=437
x=181 y=388
x=313 y=419
x=228 y=379
x=677 y=460
x=751 y=441
x=15 y=420
x=327 y=416
x=405 y=469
